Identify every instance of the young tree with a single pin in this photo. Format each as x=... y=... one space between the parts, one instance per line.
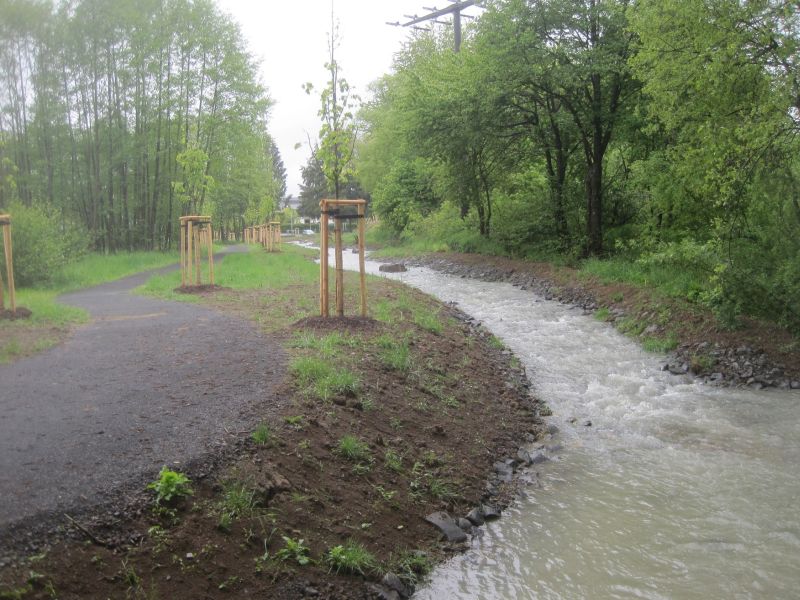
x=338 y=132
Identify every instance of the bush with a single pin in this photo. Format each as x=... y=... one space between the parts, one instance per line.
x=42 y=243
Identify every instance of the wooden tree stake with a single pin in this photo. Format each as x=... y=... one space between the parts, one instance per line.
x=330 y=207
x=5 y=222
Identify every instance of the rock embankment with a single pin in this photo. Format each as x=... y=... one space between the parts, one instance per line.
x=717 y=362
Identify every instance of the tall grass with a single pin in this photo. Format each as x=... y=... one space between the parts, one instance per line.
x=671 y=280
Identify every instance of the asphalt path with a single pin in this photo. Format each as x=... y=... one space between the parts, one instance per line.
x=146 y=383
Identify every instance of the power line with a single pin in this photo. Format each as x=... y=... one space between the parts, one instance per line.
x=434 y=13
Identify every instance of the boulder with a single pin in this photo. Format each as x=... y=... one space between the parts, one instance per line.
x=447 y=525
x=393 y=268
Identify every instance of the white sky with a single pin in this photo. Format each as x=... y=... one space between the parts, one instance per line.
x=289 y=38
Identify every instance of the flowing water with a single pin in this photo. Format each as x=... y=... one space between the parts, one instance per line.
x=676 y=490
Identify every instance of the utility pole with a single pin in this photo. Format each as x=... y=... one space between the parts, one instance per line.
x=455 y=10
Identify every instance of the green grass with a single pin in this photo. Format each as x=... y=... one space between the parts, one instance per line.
x=602 y=314
x=660 y=345
x=322 y=380
x=262 y=435
x=253 y=270
x=354 y=449
x=351 y=558
x=429 y=322
x=395 y=354
x=671 y=280
x=327 y=346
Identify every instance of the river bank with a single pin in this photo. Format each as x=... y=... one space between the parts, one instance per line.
x=757 y=355
x=338 y=487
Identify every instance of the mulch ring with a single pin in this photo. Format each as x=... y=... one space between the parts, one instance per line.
x=201 y=290
x=20 y=313
x=331 y=324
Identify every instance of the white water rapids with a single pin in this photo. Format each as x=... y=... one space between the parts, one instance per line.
x=676 y=490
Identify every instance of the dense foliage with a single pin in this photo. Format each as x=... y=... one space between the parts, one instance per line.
x=119 y=116
x=663 y=132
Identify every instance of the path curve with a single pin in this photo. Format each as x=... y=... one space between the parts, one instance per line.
x=146 y=383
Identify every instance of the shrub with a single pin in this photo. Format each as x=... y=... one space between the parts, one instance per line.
x=170 y=485
x=43 y=243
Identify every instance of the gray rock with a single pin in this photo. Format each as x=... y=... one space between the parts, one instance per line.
x=538 y=458
x=384 y=593
x=393 y=268
x=505 y=472
x=447 y=525
x=795 y=385
x=475 y=516
x=393 y=582
x=490 y=512
x=464 y=524
x=717 y=377
x=524 y=457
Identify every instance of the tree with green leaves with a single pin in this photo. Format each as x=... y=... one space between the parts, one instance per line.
x=337 y=136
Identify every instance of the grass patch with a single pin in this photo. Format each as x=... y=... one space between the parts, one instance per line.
x=660 y=345
x=262 y=435
x=327 y=346
x=351 y=558
x=602 y=314
x=671 y=280
x=395 y=354
x=318 y=378
x=354 y=449
x=429 y=322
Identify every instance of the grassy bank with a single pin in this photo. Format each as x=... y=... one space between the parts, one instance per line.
x=50 y=320
x=379 y=422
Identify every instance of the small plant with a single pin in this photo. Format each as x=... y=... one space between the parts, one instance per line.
x=393 y=461
x=353 y=449
x=411 y=566
x=386 y=495
x=496 y=343
x=238 y=500
x=229 y=583
x=617 y=297
x=160 y=538
x=295 y=421
x=395 y=423
x=350 y=558
x=602 y=314
x=262 y=435
x=169 y=485
x=701 y=363
x=129 y=575
x=293 y=550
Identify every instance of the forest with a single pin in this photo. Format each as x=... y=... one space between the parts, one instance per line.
x=660 y=136
x=118 y=117
x=657 y=138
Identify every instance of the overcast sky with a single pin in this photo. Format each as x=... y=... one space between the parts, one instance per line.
x=290 y=37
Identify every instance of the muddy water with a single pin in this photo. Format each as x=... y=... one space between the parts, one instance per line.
x=676 y=490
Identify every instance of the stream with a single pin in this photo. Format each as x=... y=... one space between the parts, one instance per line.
x=675 y=490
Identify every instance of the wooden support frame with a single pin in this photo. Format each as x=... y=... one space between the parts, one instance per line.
x=273 y=239
x=5 y=225
x=330 y=208
x=196 y=230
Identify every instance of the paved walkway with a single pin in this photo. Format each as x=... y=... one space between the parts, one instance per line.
x=146 y=383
